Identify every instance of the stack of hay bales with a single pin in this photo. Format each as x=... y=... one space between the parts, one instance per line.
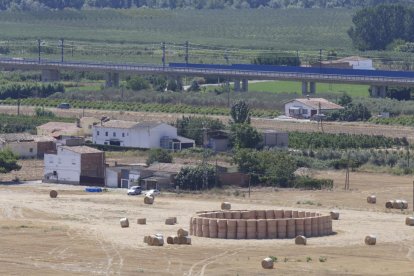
x=261 y=229
x=282 y=228
x=370 y=240
x=231 y=229
x=267 y=263
x=212 y=228
x=53 y=194
x=335 y=215
x=222 y=228
x=124 y=222
x=291 y=228
x=181 y=238
x=300 y=240
x=409 y=221
x=171 y=221
x=142 y=221
x=251 y=228
x=225 y=206
x=300 y=226
x=372 y=199
x=272 y=229
x=396 y=204
x=205 y=227
x=154 y=240
x=148 y=199
x=241 y=229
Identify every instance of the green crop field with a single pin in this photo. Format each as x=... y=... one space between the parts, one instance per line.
x=321 y=88
x=135 y=35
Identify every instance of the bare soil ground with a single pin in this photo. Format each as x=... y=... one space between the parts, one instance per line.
x=328 y=127
x=78 y=233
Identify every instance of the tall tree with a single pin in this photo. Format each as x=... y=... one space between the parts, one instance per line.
x=8 y=161
x=240 y=113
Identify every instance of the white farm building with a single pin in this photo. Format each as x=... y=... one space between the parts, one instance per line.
x=308 y=107
x=145 y=135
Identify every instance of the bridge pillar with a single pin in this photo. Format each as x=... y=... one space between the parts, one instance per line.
x=50 y=75
x=245 y=85
x=236 y=85
x=304 y=88
x=378 y=91
x=312 y=87
x=112 y=79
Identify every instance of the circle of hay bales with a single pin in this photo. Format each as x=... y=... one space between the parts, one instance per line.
x=53 y=194
x=260 y=224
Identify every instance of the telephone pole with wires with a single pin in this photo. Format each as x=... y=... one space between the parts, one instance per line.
x=186 y=52
x=205 y=156
x=61 y=48
x=163 y=54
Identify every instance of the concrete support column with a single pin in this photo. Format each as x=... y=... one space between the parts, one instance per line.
x=108 y=80
x=312 y=87
x=304 y=88
x=378 y=91
x=112 y=79
x=382 y=91
x=245 y=85
x=115 y=79
x=236 y=85
x=50 y=75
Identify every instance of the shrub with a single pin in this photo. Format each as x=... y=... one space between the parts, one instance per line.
x=196 y=178
x=159 y=155
x=308 y=183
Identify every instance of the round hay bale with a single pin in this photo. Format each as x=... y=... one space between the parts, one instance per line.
x=267 y=263
x=314 y=226
x=409 y=221
x=287 y=213
x=291 y=229
x=175 y=240
x=281 y=228
x=245 y=215
x=301 y=214
x=335 y=215
x=184 y=233
x=251 y=225
x=157 y=241
x=272 y=229
x=398 y=204
x=252 y=214
x=199 y=227
x=260 y=214
x=241 y=229
x=270 y=214
x=221 y=228
x=389 y=204
x=301 y=240
x=372 y=199
x=220 y=215
x=300 y=226
x=405 y=204
x=295 y=214
x=225 y=206
x=170 y=240
x=308 y=227
x=146 y=239
x=236 y=215
x=53 y=194
x=227 y=215
x=261 y=228
x=142 y=221
x=278 y=214
x=148 y=200
x=169 y=221
x=212 y=228
x=124 y=222
x=231 y=229
x=370 y=240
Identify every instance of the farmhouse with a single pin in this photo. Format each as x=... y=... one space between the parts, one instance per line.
x=26 y=145
x=144 y=135
x=306 y=108
x=75 y=165
x=353 y=62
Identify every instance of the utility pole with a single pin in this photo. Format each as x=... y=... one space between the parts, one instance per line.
x=163 y=54
x=61 y=48
x=72 y=48
x=320 y=59
x=18 y=102
x=204 y=163
x=186 y=52
x=38 y=48
x=347 y=174
x=228 y=92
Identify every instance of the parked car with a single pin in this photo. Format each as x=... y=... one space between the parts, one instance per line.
x=134 y=190
x=152 y=192
x=63 y=106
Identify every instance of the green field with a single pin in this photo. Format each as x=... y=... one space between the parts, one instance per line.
x=321 y=88
x=135 y=35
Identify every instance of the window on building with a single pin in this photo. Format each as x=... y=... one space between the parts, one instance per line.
x=106 y=133
x=114 y=134
x=304 y=111
x=97 y=133
x=123 y=134
x=31 y=150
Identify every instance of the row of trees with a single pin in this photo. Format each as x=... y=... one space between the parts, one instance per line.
x=27 y=90
x=378 y=27
x=197 y=4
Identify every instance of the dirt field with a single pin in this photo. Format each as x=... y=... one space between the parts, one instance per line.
x=329 y=127
x=79 y=234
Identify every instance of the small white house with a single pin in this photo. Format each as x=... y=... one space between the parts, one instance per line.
x=308 y=107
x=75 y=165
x=139 y=135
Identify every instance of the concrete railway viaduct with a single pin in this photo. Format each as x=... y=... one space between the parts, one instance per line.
x=239 y=73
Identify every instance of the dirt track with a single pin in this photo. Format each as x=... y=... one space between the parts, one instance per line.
x=79 y=233
x=328 y=127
